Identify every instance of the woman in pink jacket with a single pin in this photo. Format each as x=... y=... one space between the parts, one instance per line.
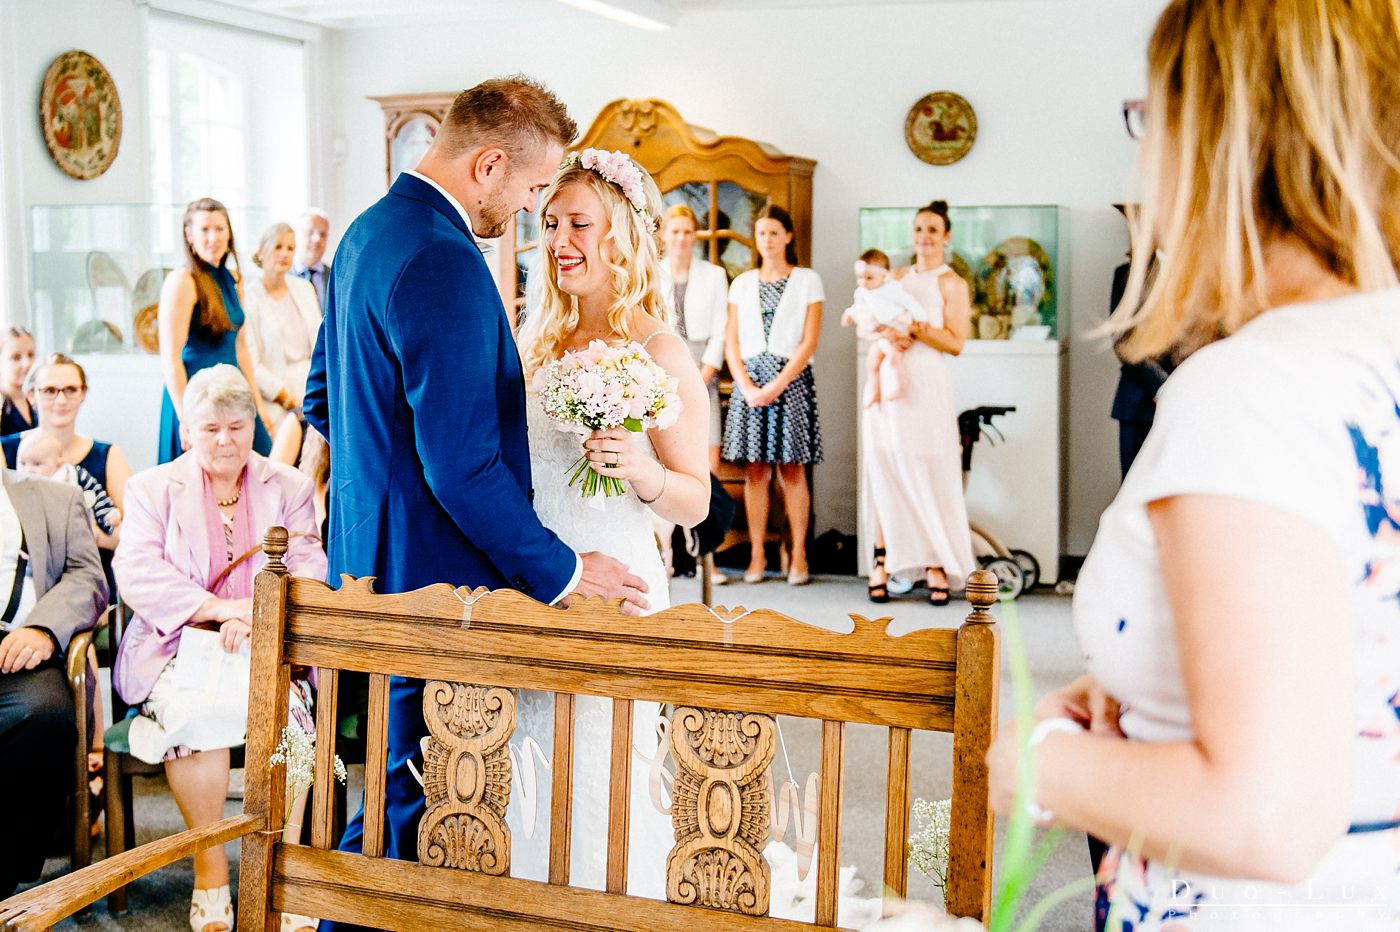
x=187 y=558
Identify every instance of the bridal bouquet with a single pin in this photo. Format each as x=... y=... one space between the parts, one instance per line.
x=603 y=387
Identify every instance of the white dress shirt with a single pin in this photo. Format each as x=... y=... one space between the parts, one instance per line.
x=11 y=539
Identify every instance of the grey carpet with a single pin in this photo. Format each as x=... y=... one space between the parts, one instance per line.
x=161 y=901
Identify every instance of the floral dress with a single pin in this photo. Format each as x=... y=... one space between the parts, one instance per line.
x=1300 y=411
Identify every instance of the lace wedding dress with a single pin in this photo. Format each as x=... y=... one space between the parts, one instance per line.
x=621 y=528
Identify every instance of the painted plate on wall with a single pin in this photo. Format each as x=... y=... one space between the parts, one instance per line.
x=941 y=128
x=81 y=115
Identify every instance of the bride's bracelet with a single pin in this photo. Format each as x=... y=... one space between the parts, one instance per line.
x=664 y=473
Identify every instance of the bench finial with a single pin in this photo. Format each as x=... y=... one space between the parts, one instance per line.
x=982 y=590
x=275 y=546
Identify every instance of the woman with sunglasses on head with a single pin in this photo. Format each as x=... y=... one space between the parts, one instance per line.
x=1236 y=738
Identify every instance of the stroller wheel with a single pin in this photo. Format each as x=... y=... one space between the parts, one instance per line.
x=1029 y=565
x=1011 y=579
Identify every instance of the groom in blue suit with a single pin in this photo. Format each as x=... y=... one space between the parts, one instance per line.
x=417 y=386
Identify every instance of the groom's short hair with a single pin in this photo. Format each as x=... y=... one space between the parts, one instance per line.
x=515 y=113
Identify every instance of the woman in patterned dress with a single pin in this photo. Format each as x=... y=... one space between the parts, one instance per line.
x=775 y=320
x=1237 y=735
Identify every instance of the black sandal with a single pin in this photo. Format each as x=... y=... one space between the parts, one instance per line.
x=939 y=595
x=879 y=593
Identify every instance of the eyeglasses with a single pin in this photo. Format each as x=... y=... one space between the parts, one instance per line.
x=67 y=391
x=1135 y=118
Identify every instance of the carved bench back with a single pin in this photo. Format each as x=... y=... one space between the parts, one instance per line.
x=724 y=675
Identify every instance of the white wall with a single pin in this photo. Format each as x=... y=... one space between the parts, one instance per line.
x=32 y=34
x=834 y=84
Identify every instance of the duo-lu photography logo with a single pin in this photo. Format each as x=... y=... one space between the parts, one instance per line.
x=1313 y=902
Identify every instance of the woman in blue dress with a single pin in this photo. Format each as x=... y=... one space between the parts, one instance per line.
x=201 y=321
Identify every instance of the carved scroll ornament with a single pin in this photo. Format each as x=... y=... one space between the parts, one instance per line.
x=466 y=777
x=722 y=800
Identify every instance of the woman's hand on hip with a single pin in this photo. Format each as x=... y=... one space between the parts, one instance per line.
x=1084 y=701
x=613 y=452
x=233 y=632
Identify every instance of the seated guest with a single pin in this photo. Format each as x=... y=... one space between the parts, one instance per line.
x=16 y=359
x=284 y=319
x=58 y=386
x=51 y=588
x=190 y=549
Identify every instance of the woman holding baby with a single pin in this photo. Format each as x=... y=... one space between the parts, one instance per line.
x=912 y=474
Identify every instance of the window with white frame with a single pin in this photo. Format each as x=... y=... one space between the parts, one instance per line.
x=228 y=118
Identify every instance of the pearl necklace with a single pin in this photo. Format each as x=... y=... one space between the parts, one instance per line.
x=229 y=503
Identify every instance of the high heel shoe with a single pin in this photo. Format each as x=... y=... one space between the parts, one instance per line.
x=752 y=575
x=878 y=593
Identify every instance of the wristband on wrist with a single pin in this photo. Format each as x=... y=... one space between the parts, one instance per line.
x=1040 y=815
x=664 y=473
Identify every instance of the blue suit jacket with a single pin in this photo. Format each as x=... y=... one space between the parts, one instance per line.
x=416 y=384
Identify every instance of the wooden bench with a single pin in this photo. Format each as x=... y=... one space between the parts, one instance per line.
x=724 y=676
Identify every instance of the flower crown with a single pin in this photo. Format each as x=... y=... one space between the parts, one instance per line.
x=621 y=170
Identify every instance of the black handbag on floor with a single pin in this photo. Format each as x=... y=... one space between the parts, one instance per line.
x=707 y=536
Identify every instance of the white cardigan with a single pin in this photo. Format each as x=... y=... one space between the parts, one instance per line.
x=706 y=307
x=270 y=366
x=804 y=287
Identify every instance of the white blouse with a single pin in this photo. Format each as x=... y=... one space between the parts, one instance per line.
x=804 y=288
x=1299 y=410
x=706 y=306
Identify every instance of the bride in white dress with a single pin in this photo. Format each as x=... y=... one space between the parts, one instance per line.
x=601 y=281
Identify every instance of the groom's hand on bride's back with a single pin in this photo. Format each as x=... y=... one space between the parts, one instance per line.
x=609 y=578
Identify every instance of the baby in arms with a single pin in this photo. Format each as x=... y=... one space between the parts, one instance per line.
x=880 y=302
x=39 y=455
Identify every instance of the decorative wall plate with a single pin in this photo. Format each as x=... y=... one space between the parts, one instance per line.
x=940 y=128
x=81 y=115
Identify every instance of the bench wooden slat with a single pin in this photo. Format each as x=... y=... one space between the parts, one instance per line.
x=829 y=821
x=397 y=895
x=859 y=694
x=38 y=908
x=897 y=816
x=619 y=795
x=323 y=790
x=376 y=762
x=561 y=800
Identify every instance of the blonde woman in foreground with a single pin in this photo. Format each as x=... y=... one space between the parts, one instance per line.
x=1237 y=736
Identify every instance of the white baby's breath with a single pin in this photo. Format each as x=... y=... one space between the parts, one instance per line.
x=297 y=753
x=929 y=840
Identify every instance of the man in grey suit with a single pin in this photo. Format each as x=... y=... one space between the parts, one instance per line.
x=51 y=588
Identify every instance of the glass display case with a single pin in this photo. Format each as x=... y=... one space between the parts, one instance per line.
x=96 y=271
x=1011 y=256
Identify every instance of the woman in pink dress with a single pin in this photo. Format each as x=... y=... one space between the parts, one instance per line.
x=912 y=472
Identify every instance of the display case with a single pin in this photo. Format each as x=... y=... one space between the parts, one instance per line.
x=1011 y=257
x=96 y=272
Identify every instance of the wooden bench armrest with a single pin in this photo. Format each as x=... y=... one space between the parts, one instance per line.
x=43 y=906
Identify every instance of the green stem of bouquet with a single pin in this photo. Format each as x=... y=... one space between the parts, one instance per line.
x=1021 y=857
x=589 y=480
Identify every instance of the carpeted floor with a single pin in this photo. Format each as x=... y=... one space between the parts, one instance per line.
x=161 y=901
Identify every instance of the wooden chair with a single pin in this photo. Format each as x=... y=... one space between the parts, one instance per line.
x=725 y=675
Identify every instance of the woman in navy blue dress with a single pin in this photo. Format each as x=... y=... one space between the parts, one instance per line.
x=201 y=321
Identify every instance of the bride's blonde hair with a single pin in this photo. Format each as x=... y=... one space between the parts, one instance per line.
x=635 y=264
